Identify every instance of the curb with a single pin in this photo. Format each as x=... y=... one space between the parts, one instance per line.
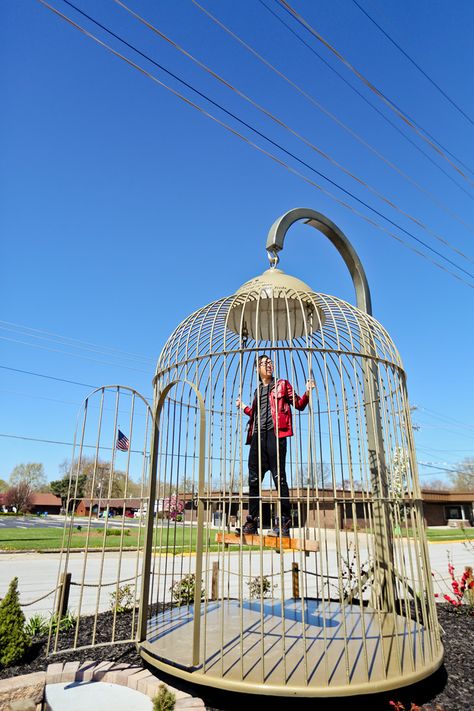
x=28 y=691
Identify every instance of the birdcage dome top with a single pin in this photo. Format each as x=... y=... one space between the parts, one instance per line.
x=273 y=279
x=275 y=309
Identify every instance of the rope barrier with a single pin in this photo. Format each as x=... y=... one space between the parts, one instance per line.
x=32 y=602
x=267 y=575
x=104 y=585
x=208 y=570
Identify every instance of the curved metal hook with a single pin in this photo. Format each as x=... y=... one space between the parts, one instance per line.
x=280 y=227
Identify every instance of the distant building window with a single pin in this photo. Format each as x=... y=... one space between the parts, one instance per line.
x=360 y=510
x=451 y=512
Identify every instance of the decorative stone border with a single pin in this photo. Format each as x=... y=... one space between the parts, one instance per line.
x=25 y=693
x=18 y=690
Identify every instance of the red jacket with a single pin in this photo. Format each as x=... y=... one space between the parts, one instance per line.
x=286 y=397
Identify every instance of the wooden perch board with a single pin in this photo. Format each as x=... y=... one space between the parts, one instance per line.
x=294 y=544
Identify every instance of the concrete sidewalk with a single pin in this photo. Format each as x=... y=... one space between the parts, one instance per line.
x=37 y=573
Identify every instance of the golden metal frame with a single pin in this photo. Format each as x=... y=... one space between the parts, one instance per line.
x=362 y=396
x=344 y=606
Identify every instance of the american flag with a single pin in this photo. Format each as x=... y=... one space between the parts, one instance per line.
x=122 y=442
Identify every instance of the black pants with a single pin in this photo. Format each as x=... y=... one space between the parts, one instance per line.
x=269 y=461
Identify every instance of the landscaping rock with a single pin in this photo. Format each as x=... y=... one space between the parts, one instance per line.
x=21 y=688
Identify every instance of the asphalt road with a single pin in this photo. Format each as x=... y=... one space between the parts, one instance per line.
x=29 y=522
x=38 y=572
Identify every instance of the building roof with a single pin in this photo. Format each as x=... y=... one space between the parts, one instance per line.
x=448 y=496
x=40 y=499
x=118 y=502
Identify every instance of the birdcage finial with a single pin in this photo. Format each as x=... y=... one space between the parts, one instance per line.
x=273 y=258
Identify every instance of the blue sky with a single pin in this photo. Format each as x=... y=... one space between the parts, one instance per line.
x=123 y=209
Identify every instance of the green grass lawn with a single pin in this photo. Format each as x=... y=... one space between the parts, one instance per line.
x=441 y=534
x=52 y=538
x=179 y=538
x=450 y=534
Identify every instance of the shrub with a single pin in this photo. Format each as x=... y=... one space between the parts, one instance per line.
x=353 y=572
x=182 y=591
x=174 y=507
x=165 y=700
x=463 y=589
x=122 y=599
x=117 y=532
x=260 y=586
x=37 y=626
x=13 y=638
x=66 y=622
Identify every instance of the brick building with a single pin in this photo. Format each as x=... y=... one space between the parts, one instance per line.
x=338 y=509
x=40 y=503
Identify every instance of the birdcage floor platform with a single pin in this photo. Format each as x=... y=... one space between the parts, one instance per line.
x=283 y=542
x=266 y=649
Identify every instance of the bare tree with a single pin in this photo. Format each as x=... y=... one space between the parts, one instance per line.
x=463 y=479
x=436 y=485
x=19 y=497
x=96 y=479
x=31 y=473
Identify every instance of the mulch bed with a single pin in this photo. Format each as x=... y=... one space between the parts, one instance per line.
x=450 y=689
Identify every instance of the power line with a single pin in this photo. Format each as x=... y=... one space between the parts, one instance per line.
x=410 y=59
x=441 y=468
x=445 y=417
x=57 y=338
x=61 y=380
x=425 y=426
x=64 y=402
x=73 y=355
x=40 y=397
x=433 y=451
x=300 y=19
x=135 y=451
x=366 y=100
x=282 y=124
x=334 y=118
x=67 y=444
x=258 y=148
x=49 y=377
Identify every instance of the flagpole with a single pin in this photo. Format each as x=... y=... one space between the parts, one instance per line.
x=100 y=494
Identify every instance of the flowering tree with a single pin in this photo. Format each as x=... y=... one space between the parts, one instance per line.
x=19 y=497
x=398 y=485
x=463 y=588
x=174 y=507
x=398 y=479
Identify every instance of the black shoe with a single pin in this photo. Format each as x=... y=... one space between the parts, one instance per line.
x=285 y=527
x=251 y=526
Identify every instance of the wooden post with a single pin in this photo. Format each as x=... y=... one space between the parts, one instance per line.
x=215 y=581
x=63 y=599
x=295 y=579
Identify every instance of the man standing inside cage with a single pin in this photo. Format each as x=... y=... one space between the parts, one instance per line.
x=269 y=427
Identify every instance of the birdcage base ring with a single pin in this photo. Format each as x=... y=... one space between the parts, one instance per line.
x=339 y=651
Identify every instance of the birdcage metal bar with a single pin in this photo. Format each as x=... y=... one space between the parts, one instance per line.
x=88 y=532
x=143 y=481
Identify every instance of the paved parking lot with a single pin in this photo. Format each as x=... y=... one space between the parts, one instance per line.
x=29 y=522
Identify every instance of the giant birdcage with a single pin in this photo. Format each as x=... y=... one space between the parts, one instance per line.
x=327 y=591
x=339 y=600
